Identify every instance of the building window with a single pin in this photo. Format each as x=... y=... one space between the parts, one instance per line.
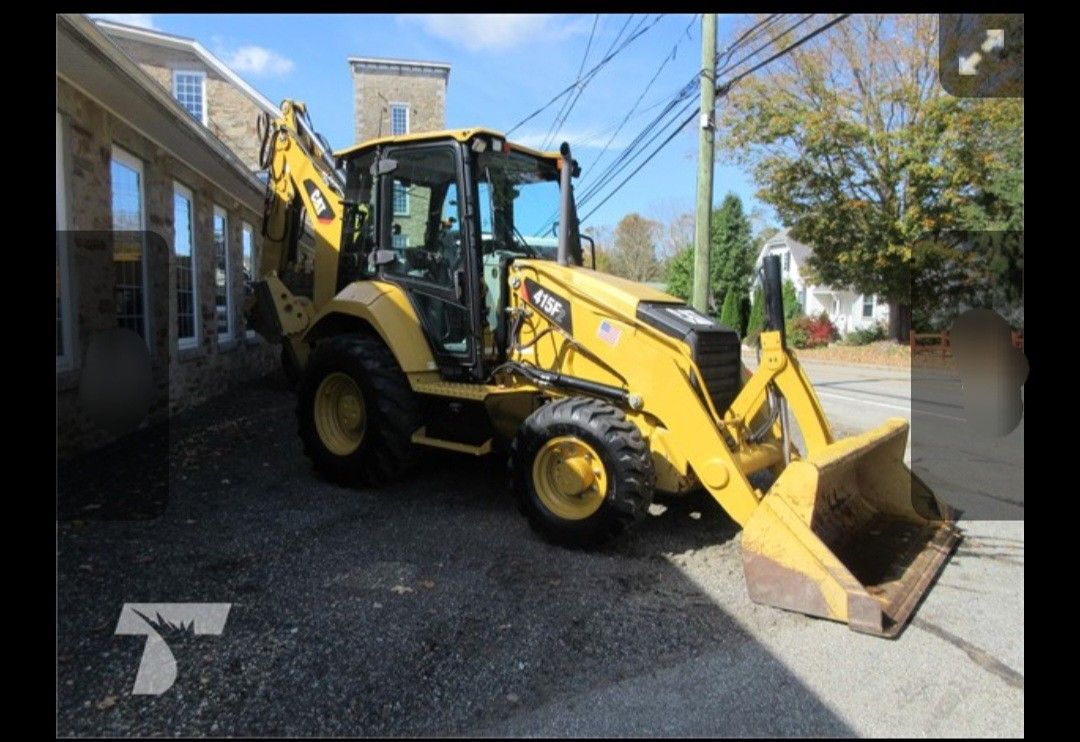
x=187 y=316
x=189 y=89
x=64 y=355
x=247 y=244
x=400 y=241
x=222 y=297
x=787 y=262
x=868 y=306
x=401 y=199
x=128 y=220
x=399 y=119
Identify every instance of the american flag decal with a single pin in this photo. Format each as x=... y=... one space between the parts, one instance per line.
x=608 y=332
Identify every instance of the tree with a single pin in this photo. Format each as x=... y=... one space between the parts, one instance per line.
x=732 y=261
x=677 y=232
x=603 y=238
x=731 y=256
x=634 y=256
x=756 y=322
x=858 y=149
x=792 y=305
x=680 y=271
x=730 y=313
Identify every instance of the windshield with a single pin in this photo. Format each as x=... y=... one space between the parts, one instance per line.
x=519 y=203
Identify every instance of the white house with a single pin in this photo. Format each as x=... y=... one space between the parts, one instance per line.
x=848 y=310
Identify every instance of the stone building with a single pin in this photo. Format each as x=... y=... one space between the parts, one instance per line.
x=157 y=226
x=398 y=96
x=392 y=97
x=204 y=85
x=159 y=205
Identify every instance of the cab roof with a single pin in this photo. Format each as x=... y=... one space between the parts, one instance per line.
x=460 y=135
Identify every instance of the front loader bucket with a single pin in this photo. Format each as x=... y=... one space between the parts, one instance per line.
x=850 y=534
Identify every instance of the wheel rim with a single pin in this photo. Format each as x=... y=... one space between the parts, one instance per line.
x=340 y=414
x=569 y=478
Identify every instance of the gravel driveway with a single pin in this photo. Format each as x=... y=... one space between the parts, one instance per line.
x=425 y=608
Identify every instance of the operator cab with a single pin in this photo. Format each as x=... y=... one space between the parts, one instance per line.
x=442 y=215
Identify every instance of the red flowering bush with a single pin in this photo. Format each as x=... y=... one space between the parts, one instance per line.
x=811 y=332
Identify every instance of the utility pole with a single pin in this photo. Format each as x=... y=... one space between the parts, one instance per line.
x=705 y=163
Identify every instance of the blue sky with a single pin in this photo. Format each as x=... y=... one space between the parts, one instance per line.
x=503 y=68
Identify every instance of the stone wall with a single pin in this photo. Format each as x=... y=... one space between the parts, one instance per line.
x=182 y=377
x=231 y=113
x=422 y=88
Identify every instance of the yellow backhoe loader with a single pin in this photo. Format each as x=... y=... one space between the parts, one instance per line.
x=416 y=313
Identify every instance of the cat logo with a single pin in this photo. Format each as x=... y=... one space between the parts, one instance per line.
x=323 y=212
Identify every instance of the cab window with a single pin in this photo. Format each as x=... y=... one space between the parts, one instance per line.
x=424 y=231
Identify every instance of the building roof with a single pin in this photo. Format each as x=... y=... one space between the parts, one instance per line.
x=799 y=251
x=442 y=67
x=91 y=62
x=460 y=135
x=172 y=41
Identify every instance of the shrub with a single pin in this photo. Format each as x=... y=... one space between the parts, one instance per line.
x=867 y=335
x=729 y=313
x=798 y=331
x=757 y=318
x=792 y=307
x=811 y=332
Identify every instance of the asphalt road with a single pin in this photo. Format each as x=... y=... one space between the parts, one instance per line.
x=429 y=608
x=983 y=475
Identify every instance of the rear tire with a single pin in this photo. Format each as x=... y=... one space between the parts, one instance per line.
x=371 y=439
x=581 y=442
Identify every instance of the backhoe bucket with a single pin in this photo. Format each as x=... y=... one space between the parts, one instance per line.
x=849 y=534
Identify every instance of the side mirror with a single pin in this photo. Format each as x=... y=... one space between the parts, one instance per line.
x=592 y=248
x=383 y=166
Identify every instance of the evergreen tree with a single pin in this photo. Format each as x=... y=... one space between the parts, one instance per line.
x=731 y=257
x=729 y=314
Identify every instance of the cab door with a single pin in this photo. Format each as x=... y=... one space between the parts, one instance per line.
x=427 y=247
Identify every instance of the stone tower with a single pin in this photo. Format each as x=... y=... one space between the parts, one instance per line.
x=398 y=96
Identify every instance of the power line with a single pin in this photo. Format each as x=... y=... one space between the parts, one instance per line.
x=722 y=90
x=629 y=153
x=632 y=151
x=648 y=85
x=581 y=89
x=581 y=68
x=596 y=68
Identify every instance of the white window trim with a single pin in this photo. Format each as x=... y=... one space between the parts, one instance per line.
x=230 y=332
x=66 y=360
x=247 y=228
x=408 y=123
x=862 y=306
x=408 y=201
x=202 y=76
x=188 y=342
x=131 y=161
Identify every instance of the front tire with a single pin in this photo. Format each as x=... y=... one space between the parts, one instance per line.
x=356 y=412
x=581 y=472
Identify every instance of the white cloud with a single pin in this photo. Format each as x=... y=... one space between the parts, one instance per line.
x=495 y=32
x=142 y=20
x=258 y=60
